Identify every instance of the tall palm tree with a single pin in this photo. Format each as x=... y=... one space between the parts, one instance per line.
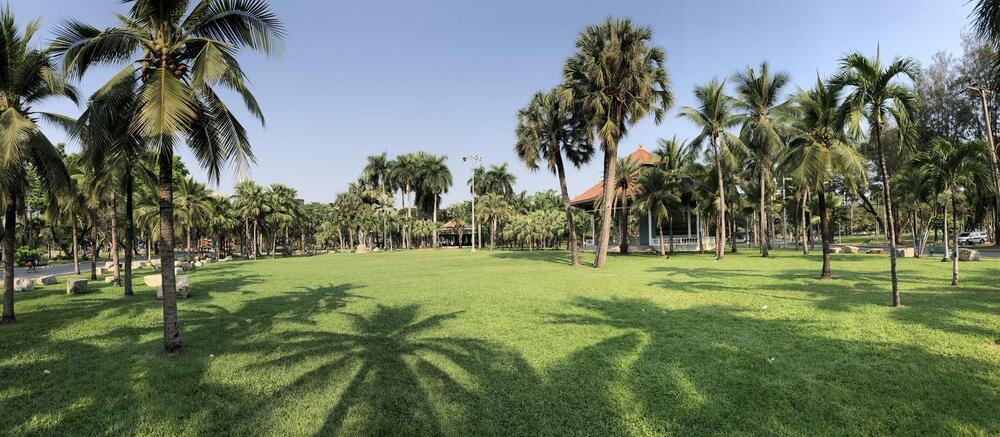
x=658 y=195
x=679 y=159
x=250 y=202
x=714 y=116
x=193 y=208
x=435 y=180
x=759 y=99
x=27 y=78
x=493 y=207
x=180 y=56
x=626 y=188
x=618 y=76
x=73 y=207
x=820 y=151
x=284 y=210
x=879 y=98
x=499 y=180
x=403 y=171
x=950 y=167
x=547 y=129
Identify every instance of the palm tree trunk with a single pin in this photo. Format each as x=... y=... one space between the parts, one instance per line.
x=95 y=250
x=762 y=225
x=720 y=243
x=824 y=218
x=955 y=230
x=76 y=248
x=890 y=226
x=188 y=235
x=916 y=233
x=434 y=214
x=945 y=258
x=671 y=247
x=129 y=231
x=9 y=229
x=659 y=231
x=493 y=233
x=623 y=245
x=574 y=250
x=804 y=225
x=287 y=251
x=114 y=239
x=610 y=167
x=274 y=243
x=171 y=332
x=256 y=240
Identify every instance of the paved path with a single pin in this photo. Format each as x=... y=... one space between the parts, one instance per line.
x=59 y=269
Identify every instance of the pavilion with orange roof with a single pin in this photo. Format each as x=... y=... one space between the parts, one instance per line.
x=685 y=227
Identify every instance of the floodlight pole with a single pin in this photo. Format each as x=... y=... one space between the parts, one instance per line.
x=983 y=91
x=477 y=159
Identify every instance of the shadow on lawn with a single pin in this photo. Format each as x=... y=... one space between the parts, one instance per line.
x=699 y=370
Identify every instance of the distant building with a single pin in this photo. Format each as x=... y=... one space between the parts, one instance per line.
x=685 y=225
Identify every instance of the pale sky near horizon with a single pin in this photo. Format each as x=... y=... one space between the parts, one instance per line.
x=447 y=77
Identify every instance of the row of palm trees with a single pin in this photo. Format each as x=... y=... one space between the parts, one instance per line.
x=174 y=58
x=826 y=139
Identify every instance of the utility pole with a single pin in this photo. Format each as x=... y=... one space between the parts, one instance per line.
x=476 y=159
x=983 y=91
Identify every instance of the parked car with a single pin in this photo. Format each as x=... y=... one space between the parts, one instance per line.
x=971 y=238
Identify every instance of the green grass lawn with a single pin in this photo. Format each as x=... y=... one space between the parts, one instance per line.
x=516 y=343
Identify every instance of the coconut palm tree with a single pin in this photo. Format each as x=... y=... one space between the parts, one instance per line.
x=878 y=97
x=193 y=209
x=760 y=102
x=819 y=151
x=499 y=180
x=714 y=115
x=27 y=77
x=251 y=204
x=618 y=76
x=494 y=207
x=284 y=209
x=950 y=167
x=404 y=176
x=658 y=195
x=73 y=206
x=181 y=56
x=435 y=180
x=548 y=128
x=679 y=159
x=626 y=188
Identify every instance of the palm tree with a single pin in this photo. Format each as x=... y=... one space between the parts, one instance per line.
x=714 y=116
x=493 y=207
x=181 y=56
x=658 y=196
x=618 y=77
x=27 y=77
x=403 y=171
x=284 y=211
x=193 y=208
x=626 y=187
x=679 y=159
x=878 y=98
x=73 y=206
x=759 y=94
x=819 y=151
x=949 y=167
x=548 y=128
x=250 y=202
x=435 y=180
x=499 y=180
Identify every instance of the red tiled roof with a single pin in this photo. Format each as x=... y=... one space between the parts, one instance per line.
x=592 y=193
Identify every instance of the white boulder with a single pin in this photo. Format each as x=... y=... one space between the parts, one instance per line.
x=76 y=286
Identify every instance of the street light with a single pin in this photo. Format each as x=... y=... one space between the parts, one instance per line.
x=476 y=159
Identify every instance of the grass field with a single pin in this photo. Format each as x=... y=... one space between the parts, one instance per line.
x=516 y=343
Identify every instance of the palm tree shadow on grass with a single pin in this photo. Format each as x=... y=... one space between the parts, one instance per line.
x=716 y=369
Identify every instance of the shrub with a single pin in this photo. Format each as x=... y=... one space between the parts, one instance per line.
x=24 y=253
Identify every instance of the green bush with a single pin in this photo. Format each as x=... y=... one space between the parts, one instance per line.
x=24 y=253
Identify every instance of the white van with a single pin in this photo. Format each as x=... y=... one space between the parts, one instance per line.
x=972 y=237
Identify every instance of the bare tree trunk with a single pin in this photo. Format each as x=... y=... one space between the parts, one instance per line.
x=762 y=226
x=720 y=242
x=76 y=247
x=805 y=242
x=574 y=249
x=824 y=218
x=95 y=250
x=659 y=231
x=623 y=245
x=9 y=235
x=434 y=214
x=610 y=167
x=114 y=239
x=171 y=331
x=956 y=230
x=945 y=258
x=129 y=231
x=890 y=218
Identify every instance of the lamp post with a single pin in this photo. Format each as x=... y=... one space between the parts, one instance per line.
x=476 y=159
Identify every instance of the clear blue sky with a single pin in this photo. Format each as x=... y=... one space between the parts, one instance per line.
x=447 y=76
